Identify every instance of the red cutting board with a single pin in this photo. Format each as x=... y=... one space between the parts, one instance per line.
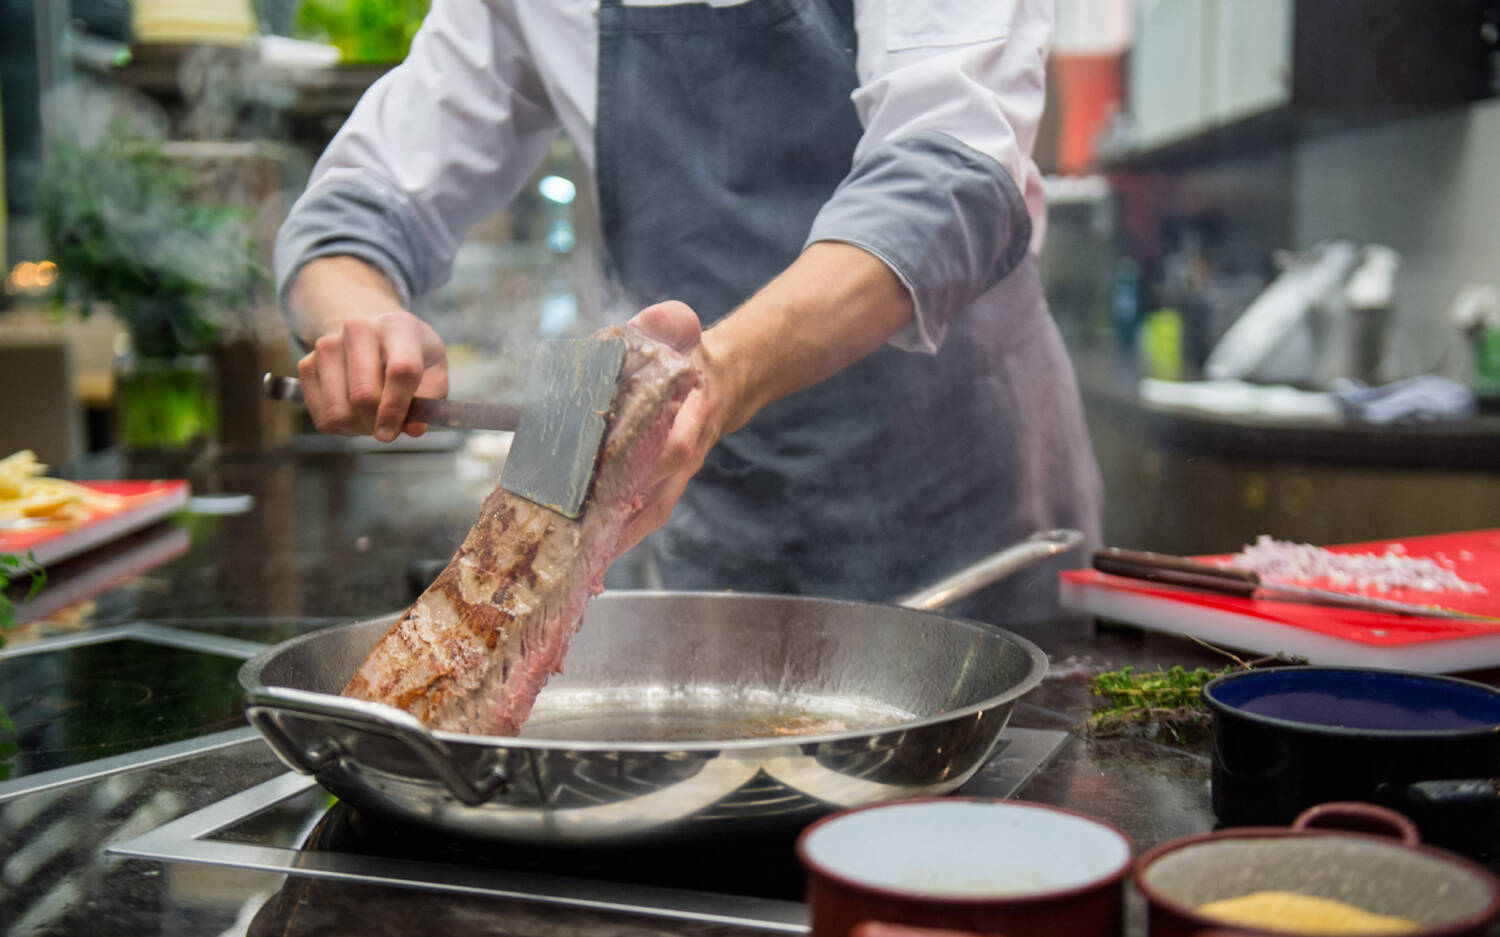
x=145 y=503
x=1323 y=634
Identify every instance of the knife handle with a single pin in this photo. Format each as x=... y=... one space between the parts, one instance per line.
x=432 y=411
x=289 y=390
x=1176 y=570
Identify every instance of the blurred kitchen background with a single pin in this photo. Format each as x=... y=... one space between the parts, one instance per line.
x=1273 y=248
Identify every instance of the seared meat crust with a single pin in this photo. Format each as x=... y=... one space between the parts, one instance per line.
x=475 y=649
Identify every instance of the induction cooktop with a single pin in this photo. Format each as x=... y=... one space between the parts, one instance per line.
x=88 y=704
x=290 y=825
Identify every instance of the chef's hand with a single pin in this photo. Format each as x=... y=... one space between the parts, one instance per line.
x=835 y=304
x=699 y=422
x=371 y=355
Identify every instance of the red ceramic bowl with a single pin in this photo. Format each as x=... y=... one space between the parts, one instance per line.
x=964 y=864
x=1319 y=855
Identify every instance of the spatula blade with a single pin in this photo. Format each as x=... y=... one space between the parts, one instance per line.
x=569 y=391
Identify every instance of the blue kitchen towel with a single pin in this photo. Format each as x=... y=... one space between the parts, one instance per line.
x=1425 y=399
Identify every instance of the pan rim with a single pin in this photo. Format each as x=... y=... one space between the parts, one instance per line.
x=249 y=678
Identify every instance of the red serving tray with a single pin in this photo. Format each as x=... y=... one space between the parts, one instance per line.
x=146 y=502
x=1321 y=633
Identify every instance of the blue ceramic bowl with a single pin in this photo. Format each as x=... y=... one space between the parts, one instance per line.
x=1288 y=738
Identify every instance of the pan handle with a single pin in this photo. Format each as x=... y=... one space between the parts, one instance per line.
x=267 y=706
x=1039 y=546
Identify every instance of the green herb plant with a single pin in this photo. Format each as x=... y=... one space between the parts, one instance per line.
x=364 y=31
x=12 y=565
x=124 y=225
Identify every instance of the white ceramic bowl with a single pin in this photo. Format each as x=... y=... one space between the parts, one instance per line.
x=965 y=864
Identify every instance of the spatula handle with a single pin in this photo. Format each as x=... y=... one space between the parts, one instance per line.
x=1175 y=570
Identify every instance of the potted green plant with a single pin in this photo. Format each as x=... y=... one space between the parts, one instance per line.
x=127 y=228
x=364 y=31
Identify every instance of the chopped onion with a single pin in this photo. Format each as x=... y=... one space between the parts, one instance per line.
x=1282 y=561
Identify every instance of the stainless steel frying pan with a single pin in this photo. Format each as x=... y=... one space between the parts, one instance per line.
x=679 y=715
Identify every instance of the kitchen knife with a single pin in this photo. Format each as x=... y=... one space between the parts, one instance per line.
x=431 y=410
x=559 y=426
x=1246 y=583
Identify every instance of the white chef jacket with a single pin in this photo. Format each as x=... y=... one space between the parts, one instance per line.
x=452 y=134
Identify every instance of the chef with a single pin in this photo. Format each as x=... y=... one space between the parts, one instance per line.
x=829 y=205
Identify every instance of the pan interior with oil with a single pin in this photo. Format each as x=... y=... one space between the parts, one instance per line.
x=699 y=714
x=924 y=697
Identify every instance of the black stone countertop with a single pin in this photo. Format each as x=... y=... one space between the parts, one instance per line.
x=329 y=539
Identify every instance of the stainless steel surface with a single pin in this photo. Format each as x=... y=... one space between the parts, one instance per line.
x=458 y=414
x=284 y=389
x=194 y=839
x=1039 y=546
x=569 y=391
x=142 y=631
x=923 y=698
x=190 y=839
x=130 y=761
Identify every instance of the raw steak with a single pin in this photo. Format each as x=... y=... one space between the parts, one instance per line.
x=475 y=649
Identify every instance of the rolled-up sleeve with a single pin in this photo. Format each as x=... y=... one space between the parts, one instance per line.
x=943 y=188
x=437 y=144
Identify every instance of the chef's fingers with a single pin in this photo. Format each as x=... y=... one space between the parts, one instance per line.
x=656 y=508
x=329 y=400
x=434 y=384
x=403 y=374
x=364 y=373
x=687 y=445
x=690 y=438
x=672 y=323
x=312 y=390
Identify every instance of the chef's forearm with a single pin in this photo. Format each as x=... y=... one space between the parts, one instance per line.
x=833 y=306
x=330 y=290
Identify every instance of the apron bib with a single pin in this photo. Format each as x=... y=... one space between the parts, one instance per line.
x=721 y=132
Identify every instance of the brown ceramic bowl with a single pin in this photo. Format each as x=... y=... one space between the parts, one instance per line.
x=964 y=864
x=1328 y=852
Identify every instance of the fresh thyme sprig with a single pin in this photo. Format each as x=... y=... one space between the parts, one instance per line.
x=1170 y=698
x=1167 y=696
x=1162 y=689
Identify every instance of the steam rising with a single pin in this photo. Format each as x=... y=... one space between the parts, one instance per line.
x=131 y=225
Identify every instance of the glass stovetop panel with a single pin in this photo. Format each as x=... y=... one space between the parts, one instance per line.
x=72 y=705
x=765 y=867
x=314 y=821
x=331 y=853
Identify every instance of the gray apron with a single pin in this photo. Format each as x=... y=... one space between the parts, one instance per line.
x=721 y=131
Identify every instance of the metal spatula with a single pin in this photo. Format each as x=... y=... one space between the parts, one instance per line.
x=569 y=391
x=568 y=395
